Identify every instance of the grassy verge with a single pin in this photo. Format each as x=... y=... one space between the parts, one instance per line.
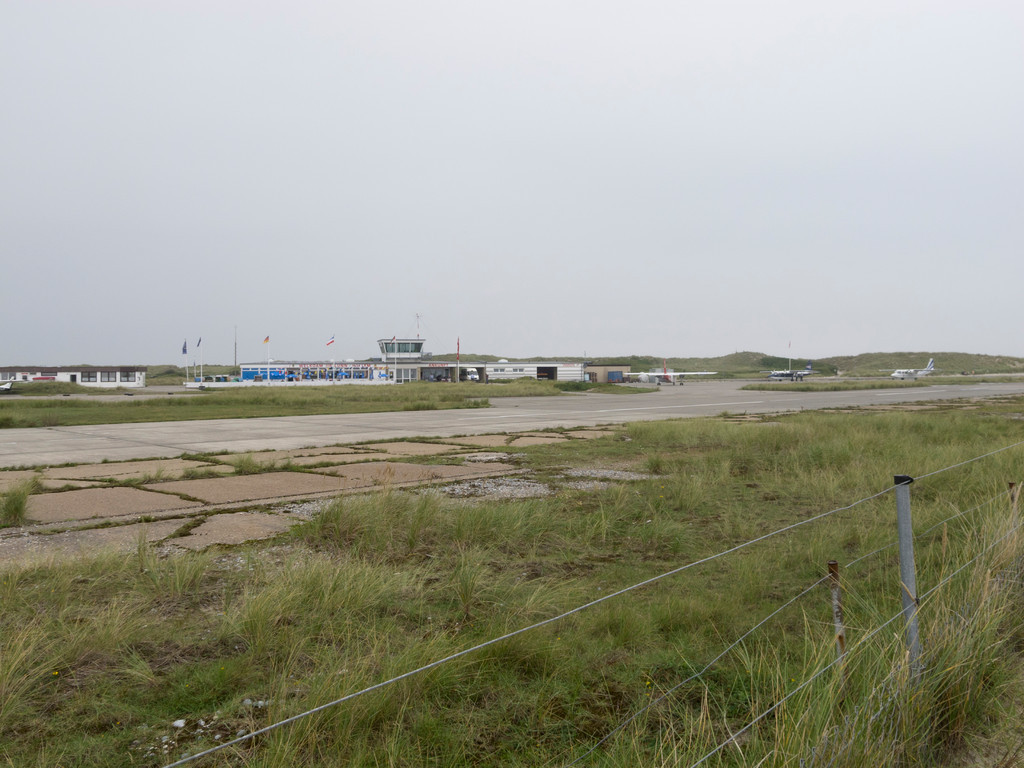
x=252 y=402
x=102 y=656
x=832 y=386
x=846 y=386
x=240 y=403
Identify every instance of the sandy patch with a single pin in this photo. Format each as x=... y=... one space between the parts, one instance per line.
x=235 y=528
x=590 y=434
x=100 y=502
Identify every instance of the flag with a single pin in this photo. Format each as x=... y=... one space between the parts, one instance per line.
x=184 y=347
x=199 y=342
x=266 y=340
x=458 y=342
x=330 y=341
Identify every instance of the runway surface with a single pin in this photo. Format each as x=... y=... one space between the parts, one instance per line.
x=121 y=442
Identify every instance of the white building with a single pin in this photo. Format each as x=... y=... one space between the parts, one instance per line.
x=108 y=376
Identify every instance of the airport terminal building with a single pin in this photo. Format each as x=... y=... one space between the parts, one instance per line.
x=403 y=360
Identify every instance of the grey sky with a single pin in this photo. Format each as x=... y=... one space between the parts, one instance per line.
x=557 y=178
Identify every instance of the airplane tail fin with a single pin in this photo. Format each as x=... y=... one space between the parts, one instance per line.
x=931 y=365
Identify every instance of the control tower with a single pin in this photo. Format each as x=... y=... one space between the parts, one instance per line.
x=401 y=350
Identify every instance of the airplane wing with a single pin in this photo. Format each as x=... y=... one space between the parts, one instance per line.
x=6 y=387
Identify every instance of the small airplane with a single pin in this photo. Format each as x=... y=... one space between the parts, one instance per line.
x=665 y=376
x=791 y=375
x=913 y=373
x=6 y=386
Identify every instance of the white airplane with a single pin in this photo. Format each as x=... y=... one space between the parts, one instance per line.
x=6 y=387
x=791 y=375
x=913 y=373
x=665 y=376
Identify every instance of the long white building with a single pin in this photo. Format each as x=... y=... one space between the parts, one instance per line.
x=108 y=376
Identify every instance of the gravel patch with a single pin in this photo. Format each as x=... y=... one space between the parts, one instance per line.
x=607 y=474
x=497 y=488
x=483 y=458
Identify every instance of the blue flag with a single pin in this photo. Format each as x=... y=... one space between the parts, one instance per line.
x=199 y=342
x=184 y=347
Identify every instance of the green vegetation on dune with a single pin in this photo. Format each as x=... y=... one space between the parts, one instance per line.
x=103 y=655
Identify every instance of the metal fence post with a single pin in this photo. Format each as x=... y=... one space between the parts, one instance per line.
x=908 y=570
x=837 y=621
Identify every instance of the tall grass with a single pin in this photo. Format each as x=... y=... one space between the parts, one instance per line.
x=14 y=502
x=379 y=585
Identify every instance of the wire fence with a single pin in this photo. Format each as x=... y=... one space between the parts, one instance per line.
x=668 y=693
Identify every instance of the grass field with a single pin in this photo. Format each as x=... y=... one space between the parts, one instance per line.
x=839 y=385
x=48 y=409
x=142 y=659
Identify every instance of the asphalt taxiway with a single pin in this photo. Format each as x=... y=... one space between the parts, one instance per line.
x=52 y=446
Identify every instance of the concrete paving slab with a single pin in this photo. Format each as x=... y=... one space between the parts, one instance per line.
x=53 y=484
x=100 y=502
x=235 y=528
x=397 y=473
x=14 y=477
x=330 y=449
x=241 y=488
x=291 y=455
x=518 y=442
x=483 y=441
x=325 y=458
x=127 y=470
x=23 y=551
x=413 y=449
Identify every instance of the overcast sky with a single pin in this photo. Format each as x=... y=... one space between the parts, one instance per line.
x=536 y=178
